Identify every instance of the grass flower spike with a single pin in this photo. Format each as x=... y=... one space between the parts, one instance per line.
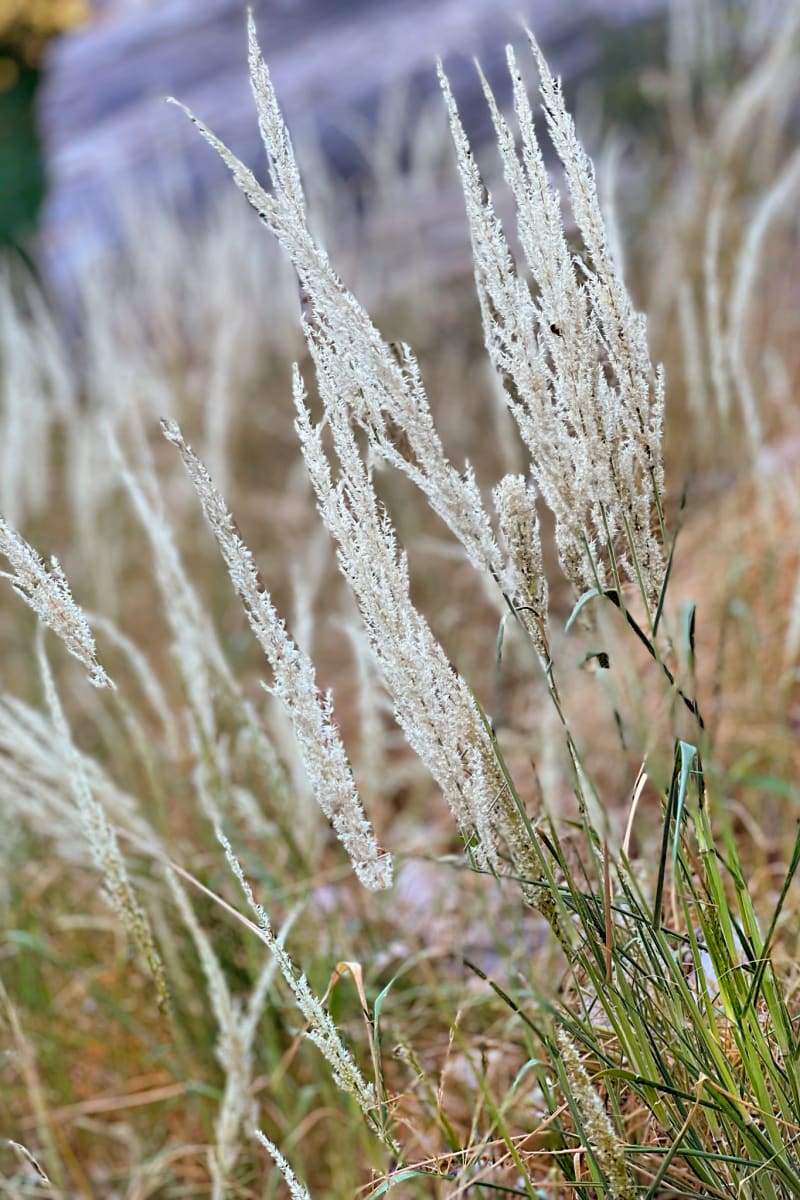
x=572 y=352
x=294 y=684
x=103 y=842
x=381 y=387
x=594 y=1123
x=321 y=1029
x=49 y=595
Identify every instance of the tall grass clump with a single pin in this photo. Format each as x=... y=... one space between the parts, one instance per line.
x=580 y=981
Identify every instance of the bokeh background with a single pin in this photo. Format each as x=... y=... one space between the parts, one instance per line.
x=86 y=136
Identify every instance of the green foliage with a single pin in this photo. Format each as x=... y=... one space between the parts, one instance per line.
x=22 y=172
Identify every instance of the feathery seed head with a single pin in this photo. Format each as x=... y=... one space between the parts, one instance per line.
x=321 y=1029
x=601 y=1137
x=294 y=683
x=49 y=595
x=515 y=502
x=586 y=397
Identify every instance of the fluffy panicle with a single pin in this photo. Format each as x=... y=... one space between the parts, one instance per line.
x=323 y=754
x=381 y=387
x=49 y=595
x=236 y=1029
x=363 y=383
x=297 y=1190
x=515 y=502
x=582 y=388
x=200 y=660
x=103 y=840
x=433 y=704
x=321 y=1029
x=601 y=1137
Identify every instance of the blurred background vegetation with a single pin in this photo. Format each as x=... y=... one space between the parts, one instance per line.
x=26 y=26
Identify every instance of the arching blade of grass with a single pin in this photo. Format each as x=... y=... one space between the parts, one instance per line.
x=685 y=755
